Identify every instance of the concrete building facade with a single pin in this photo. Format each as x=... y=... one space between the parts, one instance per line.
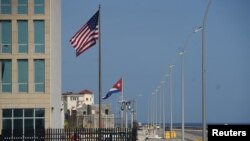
x=72 y=101
x=30 y=64
x=88 y=116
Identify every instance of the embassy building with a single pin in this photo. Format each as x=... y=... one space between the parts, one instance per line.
x=30 y=64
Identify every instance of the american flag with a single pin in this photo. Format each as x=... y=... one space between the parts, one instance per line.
x=86 y=36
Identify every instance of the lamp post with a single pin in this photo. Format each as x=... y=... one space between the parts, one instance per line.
x=136 y=104
x=159 y=107
x=163 y=108
x=156 y=117
x=148 y=112
x=132 y=112
x=204 y=136
x=171 y=96
x=152 y=110
x=181 y=53
x=164 y=113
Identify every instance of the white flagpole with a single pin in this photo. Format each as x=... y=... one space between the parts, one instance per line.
x=122 y=105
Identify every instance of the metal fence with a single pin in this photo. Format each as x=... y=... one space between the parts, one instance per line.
x=80 y=134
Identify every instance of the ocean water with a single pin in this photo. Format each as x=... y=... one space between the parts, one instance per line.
x=178 y=125
x=197 y=126
x=187 y=125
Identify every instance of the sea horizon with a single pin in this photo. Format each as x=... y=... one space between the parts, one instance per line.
x=199 y=125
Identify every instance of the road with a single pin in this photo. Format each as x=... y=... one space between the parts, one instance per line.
x=190 y=135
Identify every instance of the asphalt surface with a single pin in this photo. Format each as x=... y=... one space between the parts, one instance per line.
x=156 y=135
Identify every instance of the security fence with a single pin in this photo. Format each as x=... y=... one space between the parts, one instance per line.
x=79 y=134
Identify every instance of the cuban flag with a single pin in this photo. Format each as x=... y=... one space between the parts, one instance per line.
x=117 y=87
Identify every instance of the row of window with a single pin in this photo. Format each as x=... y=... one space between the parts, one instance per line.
x=23 y=75
x=23 y=119
x=22 y=7
x=76 y=98
x=22 y=35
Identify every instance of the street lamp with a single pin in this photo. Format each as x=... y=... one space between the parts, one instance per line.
x=136 y=112
x=171 y=95
x=159 y=107
x=149 y=103
x=163 y=107
x=152 y=109
x=156 y=117
x=181 y=53
x=203 y=75
x=198 y=29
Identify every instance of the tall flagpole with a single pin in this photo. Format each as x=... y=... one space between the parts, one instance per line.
x=122 y=110
x=100 y=70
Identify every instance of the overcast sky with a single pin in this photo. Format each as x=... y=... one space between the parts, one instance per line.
x=141 y=38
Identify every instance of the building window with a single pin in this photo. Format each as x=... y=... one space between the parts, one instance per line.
x=73 y=98
x=22 y=36
x=39 y=68
x=39 y=7
x=22 y=7
x=87 y=99
x=39 y=35
x=5 y=35
x=23 y=120
x=5 y=6
x=39 y=118
x=5 y=76
x=23 y=75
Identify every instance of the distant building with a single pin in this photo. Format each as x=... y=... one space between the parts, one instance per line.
x=30 y=64
x=80 y=110
x=72 y=101
x=88 y=116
